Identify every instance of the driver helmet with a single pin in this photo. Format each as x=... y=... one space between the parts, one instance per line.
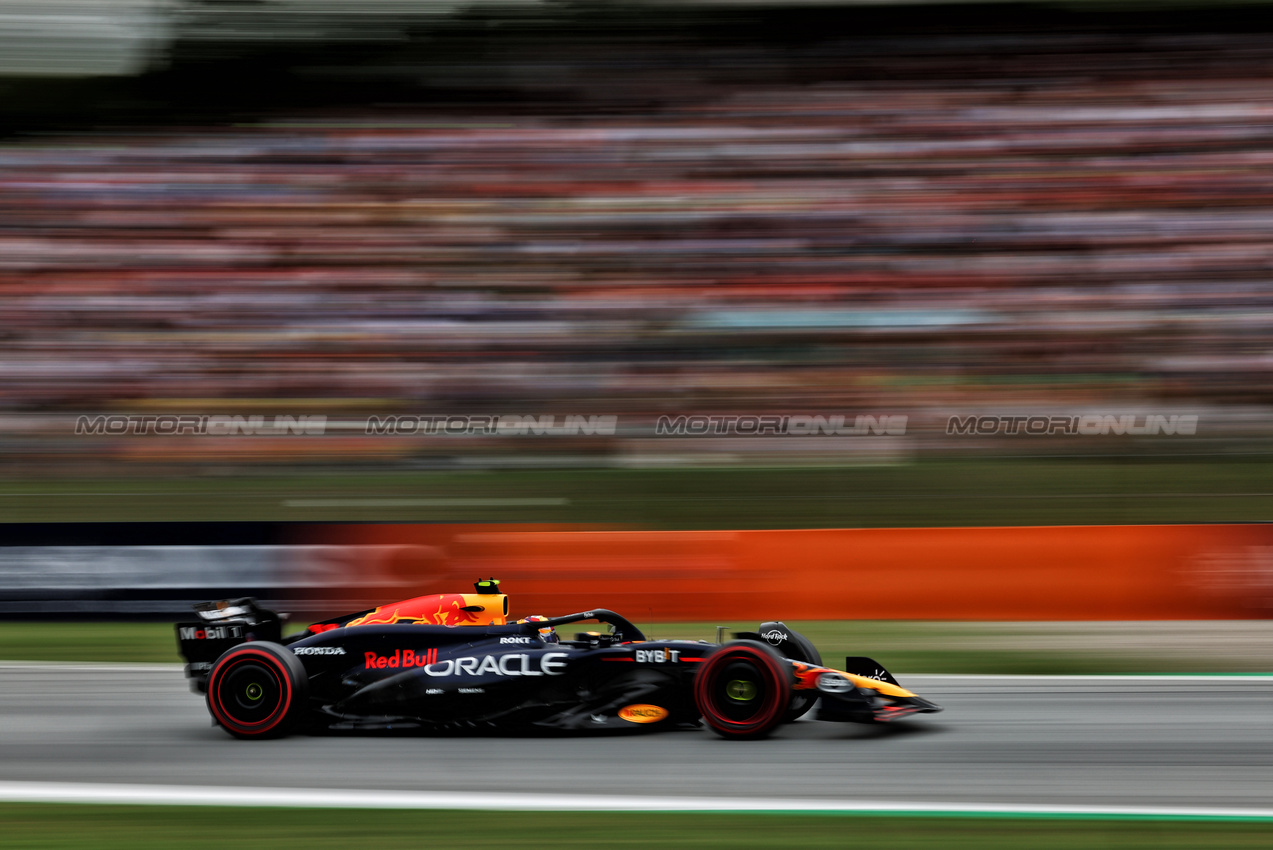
x=547 y=635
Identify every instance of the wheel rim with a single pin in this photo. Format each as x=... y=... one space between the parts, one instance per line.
x=741 y=691
x=251 y=691
x=250 y=694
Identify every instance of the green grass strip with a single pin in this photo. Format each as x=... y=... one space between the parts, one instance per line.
x=925 y=493
x=195 y=828
x=118 y=642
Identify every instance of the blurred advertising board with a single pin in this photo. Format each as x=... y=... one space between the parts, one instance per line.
x=1162 y=572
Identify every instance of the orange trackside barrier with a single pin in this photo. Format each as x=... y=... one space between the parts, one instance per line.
x=1032 y=573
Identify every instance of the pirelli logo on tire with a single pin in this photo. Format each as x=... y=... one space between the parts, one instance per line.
x=642 y=713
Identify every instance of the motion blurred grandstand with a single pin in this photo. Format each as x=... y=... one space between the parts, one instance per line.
x=480 y=209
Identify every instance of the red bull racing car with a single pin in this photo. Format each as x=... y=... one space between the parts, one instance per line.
x=453 y=661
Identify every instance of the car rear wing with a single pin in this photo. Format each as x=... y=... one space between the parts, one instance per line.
x=220 y=626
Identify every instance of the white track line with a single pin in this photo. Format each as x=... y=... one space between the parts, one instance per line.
x=327 y=798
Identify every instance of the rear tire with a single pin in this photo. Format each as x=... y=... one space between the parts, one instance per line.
x=255 y=690
x=743 y=690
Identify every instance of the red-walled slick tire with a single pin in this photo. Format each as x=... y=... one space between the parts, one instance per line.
x=743 y=690
x=257 y=689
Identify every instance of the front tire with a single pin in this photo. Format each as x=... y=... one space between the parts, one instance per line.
x=743 y=690
x=255 y=690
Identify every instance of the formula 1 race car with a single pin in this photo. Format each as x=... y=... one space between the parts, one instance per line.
x=453 y=661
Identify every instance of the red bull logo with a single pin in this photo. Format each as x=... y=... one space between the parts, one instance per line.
x=439 y=609
x=512 y=664
x=400 y=658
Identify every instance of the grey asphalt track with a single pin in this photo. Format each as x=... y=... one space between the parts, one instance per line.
x=1079 y=741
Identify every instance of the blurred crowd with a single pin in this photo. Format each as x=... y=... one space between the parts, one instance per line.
x=1060 y=228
